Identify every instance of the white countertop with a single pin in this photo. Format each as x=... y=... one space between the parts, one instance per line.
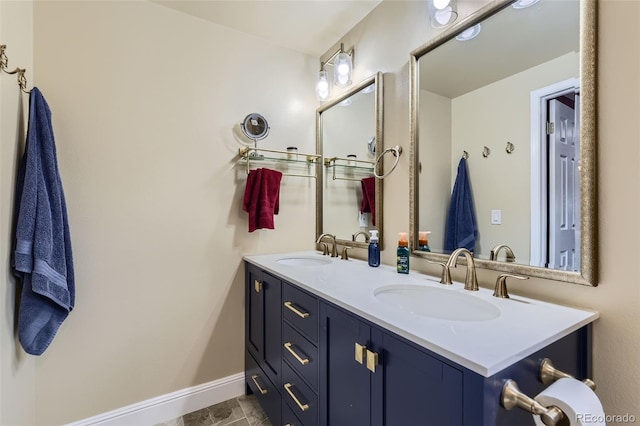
x=485 y=347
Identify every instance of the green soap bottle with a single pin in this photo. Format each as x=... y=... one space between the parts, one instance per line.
x=403 y=254
x=423 y=242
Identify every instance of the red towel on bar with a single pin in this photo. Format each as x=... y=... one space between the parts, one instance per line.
x=368 y=204
x=262 y=198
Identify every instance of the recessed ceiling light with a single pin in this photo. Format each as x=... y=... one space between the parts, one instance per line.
x=521 y=4
x=469 y=33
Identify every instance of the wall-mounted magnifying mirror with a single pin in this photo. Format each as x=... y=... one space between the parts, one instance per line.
x=348 y=134
x=255 y=127
x=525 y=80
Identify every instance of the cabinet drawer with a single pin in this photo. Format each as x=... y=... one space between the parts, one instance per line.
x=288 y=418
x=265 y=391
x=299 y=397
x=301 y=310
x=301 y=354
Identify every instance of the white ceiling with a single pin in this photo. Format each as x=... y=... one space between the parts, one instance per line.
x=307 y=26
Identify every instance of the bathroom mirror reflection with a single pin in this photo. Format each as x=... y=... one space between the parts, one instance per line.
x=490 y=98
x=348 y=135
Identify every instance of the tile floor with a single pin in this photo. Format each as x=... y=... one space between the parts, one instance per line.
x=241 y=411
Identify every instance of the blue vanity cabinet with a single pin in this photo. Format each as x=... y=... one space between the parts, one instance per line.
x=263 y=335
x=370 y=377
x=311 y=362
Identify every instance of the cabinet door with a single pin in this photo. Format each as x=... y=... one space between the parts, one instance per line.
x=345 y=382
x=254 y=312
x=417 y=389
x=264 y=320
x=272 y=289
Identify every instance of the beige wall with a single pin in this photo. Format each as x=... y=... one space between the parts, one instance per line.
x=17 y=369
x=144 y=101
x=383 y=42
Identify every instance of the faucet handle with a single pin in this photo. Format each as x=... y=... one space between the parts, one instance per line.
x=445 y=278
x=325 y=249
x=345 y=256
x=501 y=285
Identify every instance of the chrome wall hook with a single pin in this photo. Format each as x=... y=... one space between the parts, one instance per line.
x=486 y=151
x=510 y=147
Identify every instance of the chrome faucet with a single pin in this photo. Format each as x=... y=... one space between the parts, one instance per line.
x=334 y=248
x=510 y=257
x=471 y=280
x=354 y=237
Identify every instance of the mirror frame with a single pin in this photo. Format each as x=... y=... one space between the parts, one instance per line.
x=376 y=79
x=588 y=274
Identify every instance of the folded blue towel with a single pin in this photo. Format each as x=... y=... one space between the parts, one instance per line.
x=43 y=257
x=462 y=227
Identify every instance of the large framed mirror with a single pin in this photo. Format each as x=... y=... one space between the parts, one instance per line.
x=349 y=135
x=503 y=105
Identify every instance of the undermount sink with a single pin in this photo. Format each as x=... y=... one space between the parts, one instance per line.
x=440 y=303
x=303 y=261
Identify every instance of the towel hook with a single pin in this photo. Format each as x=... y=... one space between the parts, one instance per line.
x=510 y=147
x=486 y=151
x=465 y=155
x=397 y=151
x=4 y=63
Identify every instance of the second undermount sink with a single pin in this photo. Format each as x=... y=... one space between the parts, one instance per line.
x=303 y=261
x=440 y=303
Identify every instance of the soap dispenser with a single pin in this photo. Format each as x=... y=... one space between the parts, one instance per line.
x=403 y=254
x=374 y=249
x=423 y=241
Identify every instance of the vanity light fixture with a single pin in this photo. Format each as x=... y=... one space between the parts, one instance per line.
x=323 y=88
x=469 y=33
x=346 y=102
x=342 y=63
x=442 y=12
x=521 y=4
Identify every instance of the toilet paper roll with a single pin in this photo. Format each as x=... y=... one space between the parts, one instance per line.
x=579 y=403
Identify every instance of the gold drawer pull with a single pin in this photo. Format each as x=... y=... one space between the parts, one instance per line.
x=262 y=391
x=372 y=360
x=287 y=387
x=360 y=351
x=295 y=310
x=303 y=361
x=257 y=285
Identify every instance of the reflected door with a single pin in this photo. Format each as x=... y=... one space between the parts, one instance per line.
x=563 y=196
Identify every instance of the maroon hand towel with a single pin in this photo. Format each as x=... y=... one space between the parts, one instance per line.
x=262 y=198
x=368 y=204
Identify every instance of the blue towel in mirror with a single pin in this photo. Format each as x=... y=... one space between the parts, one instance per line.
x=42 y=257
x=462 y=227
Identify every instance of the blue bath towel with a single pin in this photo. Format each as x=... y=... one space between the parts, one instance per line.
x=462 y=227
x=42 y=257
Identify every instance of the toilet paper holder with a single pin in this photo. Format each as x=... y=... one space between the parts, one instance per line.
x=513 y=397
x=549 y=374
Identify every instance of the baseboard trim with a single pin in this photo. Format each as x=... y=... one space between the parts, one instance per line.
x=167 y=407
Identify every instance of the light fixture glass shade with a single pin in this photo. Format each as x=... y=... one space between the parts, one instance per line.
x=521 y=4
x=442 y=12
x=323 y=88
x=342 y=70
x=469 y=33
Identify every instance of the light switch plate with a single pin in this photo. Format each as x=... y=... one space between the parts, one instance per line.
x=496 y=217
x=362 y=217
